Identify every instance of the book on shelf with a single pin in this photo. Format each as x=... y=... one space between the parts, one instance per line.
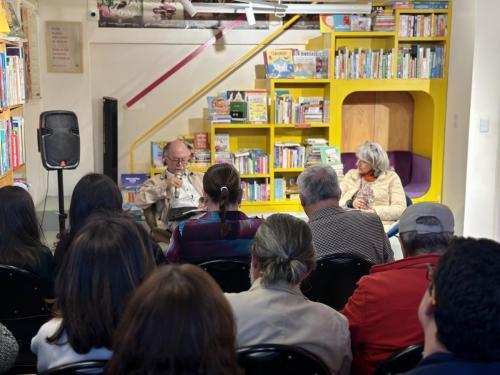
x=130 y=184
x=12 y=151
x=251 y=161
x=200 y=141
x=363 y=63
x=256 y=106
x=313 y=150
x=279 y=63
x=289 y=155
x=418 y=25
x=361 y=23
x=341 y=22
x=383 y=19
x=311 y=64
x=255 y=190
x=223 y=157
x=221 y=142
x=330 y=155
x=157 y=153
x=435 y=4
x=237 y=106
x=420 y=61
x=306 y=109
x=218 y=109
x=440 y=26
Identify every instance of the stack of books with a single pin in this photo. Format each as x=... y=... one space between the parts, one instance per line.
x=383 y=20
x=308 y=109
x=313 y=150
x=238 y=107
x=201 y=151
x=418 y=25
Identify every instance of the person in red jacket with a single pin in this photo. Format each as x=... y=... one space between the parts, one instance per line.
x=382 y=312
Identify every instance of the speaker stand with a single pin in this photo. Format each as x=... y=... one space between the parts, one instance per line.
x=60 y=193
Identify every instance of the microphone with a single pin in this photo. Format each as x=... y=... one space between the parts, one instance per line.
x=177 y=192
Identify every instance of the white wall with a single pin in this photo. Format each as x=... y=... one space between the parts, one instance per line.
x=458 y=108
x=61 y=91
x=482 y=197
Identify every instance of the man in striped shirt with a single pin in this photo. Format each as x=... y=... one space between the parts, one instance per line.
x=336 y=230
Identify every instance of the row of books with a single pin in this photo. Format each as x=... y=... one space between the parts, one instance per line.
x=12 y=82
x=286 y=188
x=12 y=151
x=246 y=161
x=423 y=25
x=255 y=190
x=420 y=4
x=363 y=63
x=294 y=63
x=305 y=109
x=289 y=155
x=238 y=107
x=418 y=61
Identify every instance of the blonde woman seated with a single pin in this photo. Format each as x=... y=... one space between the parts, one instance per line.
x=373 y=186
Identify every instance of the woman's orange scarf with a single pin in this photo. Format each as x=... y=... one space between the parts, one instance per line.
x=368 y=177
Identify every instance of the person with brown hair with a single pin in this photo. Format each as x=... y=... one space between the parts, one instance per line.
x=20 y=235
x=177 y=322
x=222 y=232
x=108 y=258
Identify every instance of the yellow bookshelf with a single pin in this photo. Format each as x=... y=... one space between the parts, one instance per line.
x=401 y=114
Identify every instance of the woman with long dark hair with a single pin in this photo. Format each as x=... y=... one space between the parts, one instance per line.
x=178 y=322
x=20 y=234
x=222 y=232
x=107 y=260
x=93 y=193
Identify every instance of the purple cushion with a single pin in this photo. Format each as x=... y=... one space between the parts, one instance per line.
x=414 y=170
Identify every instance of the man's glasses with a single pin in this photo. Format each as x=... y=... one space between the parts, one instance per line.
x=180 y=161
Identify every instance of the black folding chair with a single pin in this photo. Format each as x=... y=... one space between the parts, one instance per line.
x=23 y=310
x=334 y=279
x=401 y=361
x=84 y=367
x=272 y=359
x=232 y=275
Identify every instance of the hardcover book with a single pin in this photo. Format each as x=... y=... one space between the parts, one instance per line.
x=200 y=141
x=257 y=106
x=221 y=142
x=279 y=63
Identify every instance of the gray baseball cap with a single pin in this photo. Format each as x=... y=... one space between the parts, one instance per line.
x=409 y=221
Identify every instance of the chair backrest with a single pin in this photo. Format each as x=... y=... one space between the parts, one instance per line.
x=24 y=308
x=84 y=367
x=401 y=361
x=334 y=279
x=232 y=275
x=272 y=359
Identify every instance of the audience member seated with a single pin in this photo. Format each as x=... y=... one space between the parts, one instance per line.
x=20 y=236
x=177 y=322
x=93 y=193
x=373 y=187
x=166 y=197
x=8 y=349
x=106 y=261
x=223 y=231
x=459 y=312
x=382 y=312
x=334 y=229
x=274 y=311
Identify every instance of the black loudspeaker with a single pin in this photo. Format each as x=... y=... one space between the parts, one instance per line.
x=59 y=140
x=110 y=129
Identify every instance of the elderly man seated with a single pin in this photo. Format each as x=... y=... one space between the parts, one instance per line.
x=165 y=198
x=274 y=310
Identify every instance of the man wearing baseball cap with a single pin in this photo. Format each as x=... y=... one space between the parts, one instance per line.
x=382 y=312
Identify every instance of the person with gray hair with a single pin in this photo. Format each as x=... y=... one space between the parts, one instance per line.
x=334 y=229
x=274 y=310
x=373 y=186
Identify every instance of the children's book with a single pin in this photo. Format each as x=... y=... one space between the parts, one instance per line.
x=342 y=22
x=200 y=141
x=330 y=155
x=257 y=106
x=221 y=142
x=157 y=153
x=279 y=63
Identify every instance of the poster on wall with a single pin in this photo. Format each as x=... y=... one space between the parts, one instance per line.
x=64 y=47
x=166 y=14
x=120 y=13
